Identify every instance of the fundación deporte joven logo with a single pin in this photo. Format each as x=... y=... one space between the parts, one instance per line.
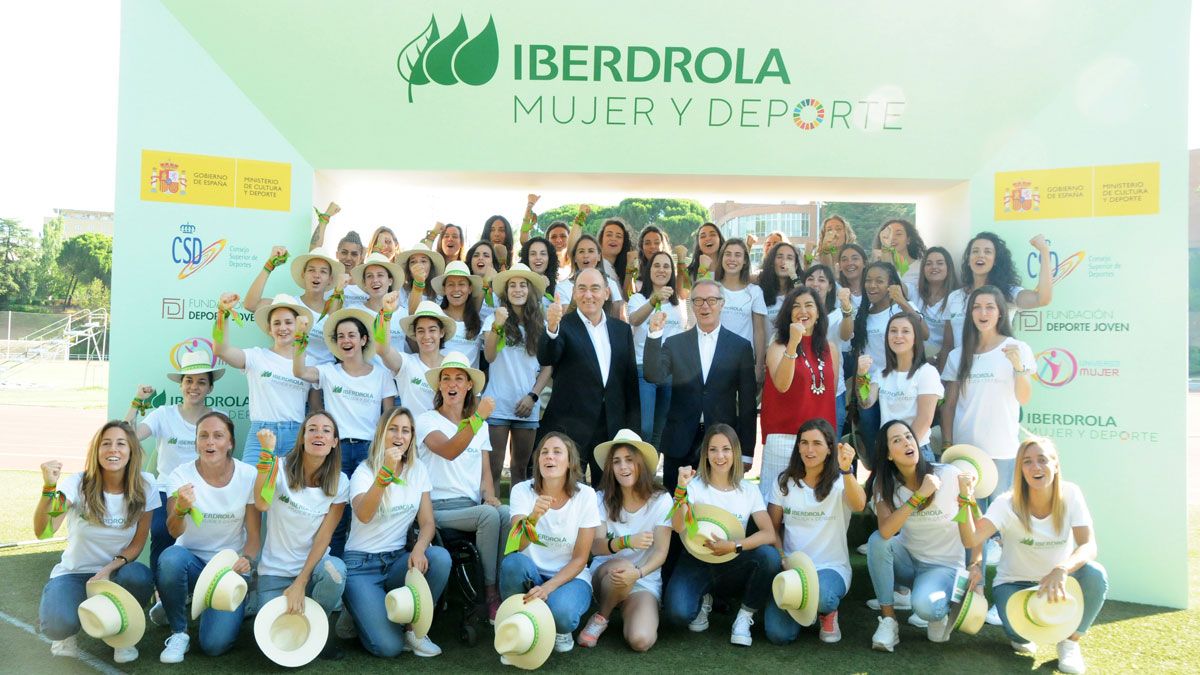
x=449 y=59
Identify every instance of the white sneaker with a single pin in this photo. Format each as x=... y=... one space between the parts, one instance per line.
x=421 y=646
x=992 y=552
x=1024 y=647
x=917 y=622
x=740 y=635
x=177 y=645
x=1070 y=657
x=563 y=642
x=125 y=654
x=901 y=600
x=830 y=631
x=993 y=617
x=345 y=627
x=158 y=614
x=886 y=636
x=938 y=631
x=700 y=623
x=66 y=647
x=862 y=549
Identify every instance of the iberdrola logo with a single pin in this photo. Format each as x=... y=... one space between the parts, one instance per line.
x=449 y=59
x=337 y=389
x=1028 y=541
x=265 y=373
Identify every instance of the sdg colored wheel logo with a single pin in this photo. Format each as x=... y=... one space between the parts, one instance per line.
x=808 y=114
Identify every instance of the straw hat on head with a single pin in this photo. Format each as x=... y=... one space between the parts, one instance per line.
x=456 y=360
x=519 y=271
x=431 y=310
x=968 y=616
x=627 y=437
x=524 y=632
x=336 y=268
x=330 y=328
x=111 y=613
x=262 y=315
x=218 y=586
x=797 y=589
x=1038 y=620
x=437 y=262
x=412 y=603
x=971 y=460
x=458 y=268
x=196 y=363
x=380 y=260
x=291 y=640
x=712 y=521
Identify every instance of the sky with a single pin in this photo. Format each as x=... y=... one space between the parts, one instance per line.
x=58 y=135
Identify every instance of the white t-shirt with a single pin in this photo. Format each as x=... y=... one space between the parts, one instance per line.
x=742 y=502
x=1030 y=554
x=935 y=316
x=876 y=327
x=510 y=377
x=956 y=310
x=355 y=402
x=557 y=528
x=461 y=476
x=175 y=438
x=898 y=394
x=737 y=314
x=817 y=528
x=317 y=352
x=388 y=530
x=931 y=535
x=275 y=394
x=293 y=521
x=652 y=515
x=673 y=326
x=224 y=510
x=836 y=344
x=397 y=338
x=352 y=296
x=91 y=546
x=412 y=387
x=469 y=348
x=987 y=411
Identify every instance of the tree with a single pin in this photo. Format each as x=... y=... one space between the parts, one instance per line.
x=84 y=258
x=18 y=263
x=50 y=281
x=865 y=218
x=679 y=218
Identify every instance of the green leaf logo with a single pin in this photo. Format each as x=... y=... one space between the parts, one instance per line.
x=265 y=373
x=337 y=389
x=158 y=399
x=451 y=59
x=172 y=441
x=1028 y=541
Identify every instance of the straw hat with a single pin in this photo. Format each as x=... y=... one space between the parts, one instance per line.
x=112 y=614
x=218 y=586
x=397 y=272
x=291 y=640
x=262 y=315
x=456 y=360
x=430 y=310
x=436 y=261
x=968 y=616
x=1038 y=620
x=627 y=437
x=336 y=268
x=797 y=588
x=520 y=271
x=458 y=268
x=195 y=363
x=971 y=460
x=330 y=328
x=412 y=603
x=524 y=632
x=715 y=522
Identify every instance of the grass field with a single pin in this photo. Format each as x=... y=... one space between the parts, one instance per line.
x=1126 y=636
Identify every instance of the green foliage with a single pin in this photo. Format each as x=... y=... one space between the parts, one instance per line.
x=85 y=258
x=18 y=263
x=51 y=283
x=679 y=218
x=865 y=218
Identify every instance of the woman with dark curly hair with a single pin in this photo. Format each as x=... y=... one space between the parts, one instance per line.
x=899 y=243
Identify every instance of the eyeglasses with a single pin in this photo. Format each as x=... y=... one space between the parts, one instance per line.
x=710 y=302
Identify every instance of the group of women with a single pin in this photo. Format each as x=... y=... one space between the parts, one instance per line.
x=373 y=426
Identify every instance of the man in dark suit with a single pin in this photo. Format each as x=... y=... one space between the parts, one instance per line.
x=711 y=371
x=595 y=373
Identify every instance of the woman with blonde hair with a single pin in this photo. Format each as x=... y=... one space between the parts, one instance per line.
x=384 y=241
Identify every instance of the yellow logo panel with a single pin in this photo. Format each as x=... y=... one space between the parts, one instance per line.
x=1080 y=192
x=184 y=178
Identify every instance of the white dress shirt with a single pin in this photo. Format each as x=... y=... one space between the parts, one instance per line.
x=708 y=349
x=600 y=342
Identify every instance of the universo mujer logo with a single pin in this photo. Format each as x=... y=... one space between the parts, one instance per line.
x=761 y=71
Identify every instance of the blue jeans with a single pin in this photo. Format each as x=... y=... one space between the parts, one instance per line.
x=927 y=453
x=1004 y=481
x=890 y=563
x=782 y=629
x=62 y=595
x=160 y=536
x=567 y=603
x=656 y=401
x=178 y=569
x=369 y=577
x=868 y=426
x=325 y=585
x=840 y=411
x=1093 y=580
x=354 y=452
x=749 y=574
x=285 y=439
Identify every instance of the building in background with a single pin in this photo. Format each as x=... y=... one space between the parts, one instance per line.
x=797 y=221
x=76 y=222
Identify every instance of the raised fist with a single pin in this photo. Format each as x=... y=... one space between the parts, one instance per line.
x=657 y=321
x=686 y=473
x=930 y=485
x=228 y=301
x=864 y=364
x=486 y=407
x=144 y=391
x=302 y=325
x=51 y=471
x=501 y=316
x=843 y=296
x=266 y=439
x=896 y=293
x=390 y=301
x=554 y=314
